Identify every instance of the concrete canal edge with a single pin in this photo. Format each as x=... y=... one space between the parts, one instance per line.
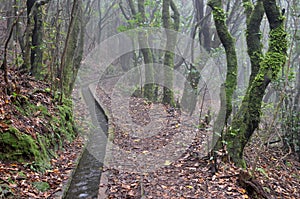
x=103 y=179
x=66 y=184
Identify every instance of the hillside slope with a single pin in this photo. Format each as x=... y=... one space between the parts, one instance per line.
x=38 y=139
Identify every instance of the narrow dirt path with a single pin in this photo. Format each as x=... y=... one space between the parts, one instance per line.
x=187 y=176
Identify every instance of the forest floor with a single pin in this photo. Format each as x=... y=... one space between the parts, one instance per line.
x=190 y=175
x=26 y=178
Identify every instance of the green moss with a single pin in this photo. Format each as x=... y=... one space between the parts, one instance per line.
x=41 y=186
x=44 y=110
x=218 y=12
x=278 y=41
x=45 y=145
x=248 y=117
x=248 y=6
x=19 y=147
x=234 y=139
x=28 y=109
x=64 y=121
x=275 y=58
x=47 y=90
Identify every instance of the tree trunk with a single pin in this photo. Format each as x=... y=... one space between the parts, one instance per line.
x=36 y=58
x=229 y=44
x=147 y=54
x=265 y=69
x=253 y=36
x=32 y=50
x=296 y=111
x=69 y=52
x=190 y=92
x=125 y=61
x=204 y=25
x=168 y=95
x=28 y=32
x=247 y=119
x=79 y=38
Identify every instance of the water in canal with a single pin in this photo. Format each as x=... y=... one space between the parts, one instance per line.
x=86 y=179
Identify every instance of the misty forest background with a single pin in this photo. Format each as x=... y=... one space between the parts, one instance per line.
x=255 y=45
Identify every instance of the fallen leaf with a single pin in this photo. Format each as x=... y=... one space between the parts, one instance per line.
x=167 y=163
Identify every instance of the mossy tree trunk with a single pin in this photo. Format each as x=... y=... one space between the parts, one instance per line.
x=72 y=47
x=266 y=69
x=32 y=50
x=83 y=18
x=168 y=95
x=140 y=16
x=147 y=53
x=229 y=45
x=254 y=17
